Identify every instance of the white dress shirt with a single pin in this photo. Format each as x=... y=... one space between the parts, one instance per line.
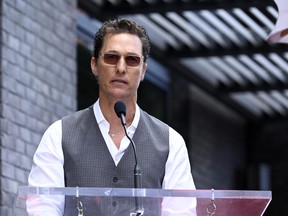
x=48 y=160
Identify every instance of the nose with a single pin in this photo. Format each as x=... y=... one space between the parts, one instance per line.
x=121 y=65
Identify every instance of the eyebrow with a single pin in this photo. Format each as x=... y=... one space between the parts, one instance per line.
x=117 y=52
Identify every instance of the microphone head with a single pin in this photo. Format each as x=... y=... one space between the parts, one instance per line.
x=120 y=108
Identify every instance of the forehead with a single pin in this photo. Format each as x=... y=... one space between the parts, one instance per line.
x=123 y=42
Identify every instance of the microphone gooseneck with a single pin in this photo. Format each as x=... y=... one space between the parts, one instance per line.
x=120 y=110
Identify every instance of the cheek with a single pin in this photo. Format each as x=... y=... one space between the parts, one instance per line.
x=102 y=72
x=102 y=77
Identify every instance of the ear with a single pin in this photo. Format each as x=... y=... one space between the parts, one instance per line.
x=93 y=64
x=144 y=71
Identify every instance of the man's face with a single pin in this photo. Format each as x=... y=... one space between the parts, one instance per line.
x=117 y=68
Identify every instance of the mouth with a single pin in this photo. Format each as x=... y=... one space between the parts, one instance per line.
x=119 y=81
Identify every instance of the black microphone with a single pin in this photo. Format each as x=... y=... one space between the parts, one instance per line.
x=120 y=110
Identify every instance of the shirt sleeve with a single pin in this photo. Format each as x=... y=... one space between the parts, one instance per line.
x=47 y=171
x=178 y=176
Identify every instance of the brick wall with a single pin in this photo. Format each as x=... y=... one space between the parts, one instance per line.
x=38 y=82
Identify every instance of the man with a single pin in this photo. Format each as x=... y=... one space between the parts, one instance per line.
x=89 y=148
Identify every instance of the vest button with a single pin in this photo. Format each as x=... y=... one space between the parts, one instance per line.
x=115 y=179
x=114 y=203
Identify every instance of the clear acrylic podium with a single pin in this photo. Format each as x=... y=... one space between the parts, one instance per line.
x=121 y=201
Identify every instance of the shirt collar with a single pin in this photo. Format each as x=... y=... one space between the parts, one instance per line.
x=101 y=119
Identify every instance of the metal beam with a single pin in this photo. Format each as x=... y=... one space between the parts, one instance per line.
x=249 y=50
x=252 y=88
x=142 y=7
x=203 y=84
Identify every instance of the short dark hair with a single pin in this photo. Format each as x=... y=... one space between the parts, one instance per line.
x=118 y=26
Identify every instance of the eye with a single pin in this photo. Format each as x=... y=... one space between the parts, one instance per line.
x=132 y=60
x=110 y=58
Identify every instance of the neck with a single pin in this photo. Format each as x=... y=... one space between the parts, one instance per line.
x=108 y=111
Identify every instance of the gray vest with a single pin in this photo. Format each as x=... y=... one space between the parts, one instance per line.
x=88 y=163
